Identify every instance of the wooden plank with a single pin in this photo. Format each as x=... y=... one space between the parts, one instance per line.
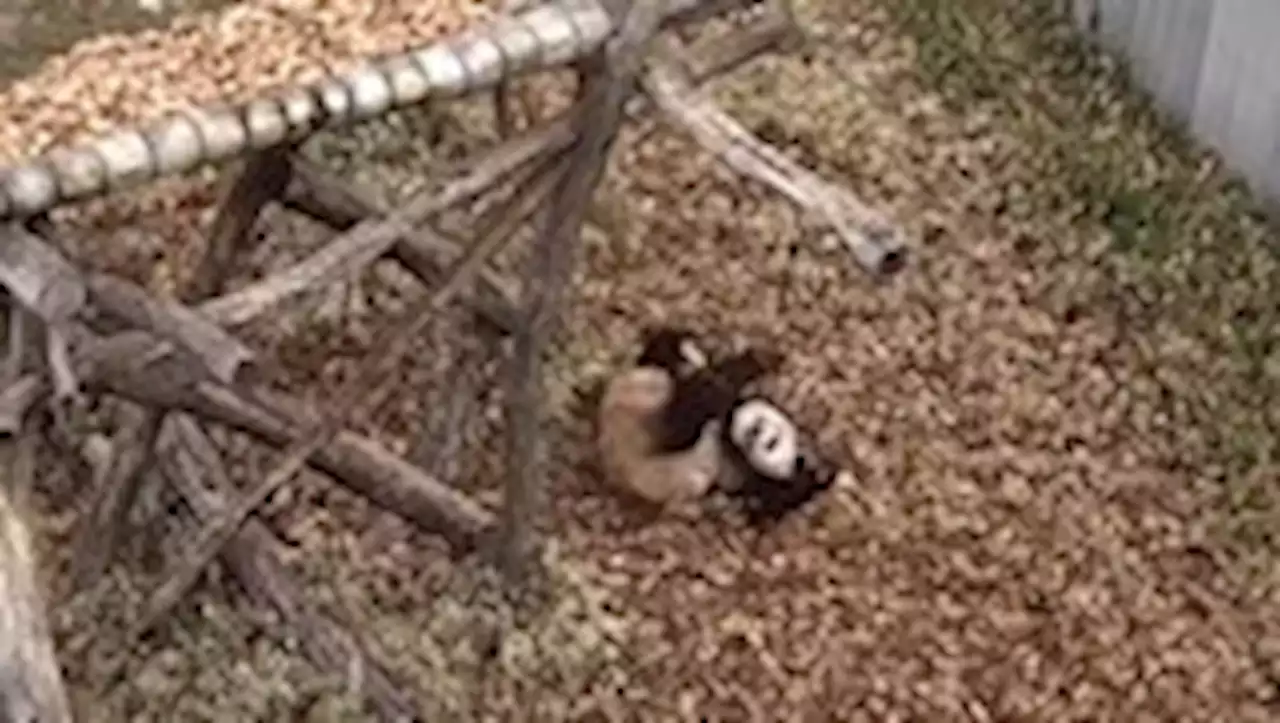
x=1249 y=126
x=1143 y=43
x=1085 y=13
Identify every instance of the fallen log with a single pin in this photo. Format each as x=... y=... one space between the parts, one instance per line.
x=17 y=399
x=223 y=354
x=873 y=240
x=115 y=487
x=49 y=287
x=721 y=55
x=38 y=277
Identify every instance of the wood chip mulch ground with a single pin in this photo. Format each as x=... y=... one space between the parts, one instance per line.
x=1061 y=416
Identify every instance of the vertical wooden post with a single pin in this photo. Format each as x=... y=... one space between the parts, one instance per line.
x=549 y=271
x=264 y=178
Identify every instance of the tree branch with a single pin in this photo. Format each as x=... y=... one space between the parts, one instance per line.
x=17 y=399
x=115 y=489
x=735 y=48
x=221 y=353
x=38 y=276
x=369 y=239
x=341 y=205
x=395 y=344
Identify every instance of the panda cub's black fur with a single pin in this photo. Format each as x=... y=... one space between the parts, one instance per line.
x=766 y=466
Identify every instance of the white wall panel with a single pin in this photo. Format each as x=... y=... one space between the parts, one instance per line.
x=1213 y=64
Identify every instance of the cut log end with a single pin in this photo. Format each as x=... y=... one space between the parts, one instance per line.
x=894 y=261
x=883 y=254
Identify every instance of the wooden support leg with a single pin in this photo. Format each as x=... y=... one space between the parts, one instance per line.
x=263 y=180
x=549 y=272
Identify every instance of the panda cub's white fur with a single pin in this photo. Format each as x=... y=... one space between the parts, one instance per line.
x=770 y=467
x=768 y=439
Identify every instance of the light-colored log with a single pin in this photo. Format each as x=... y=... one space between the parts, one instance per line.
x=30 y=679
x=37 y=275
x=873 y=239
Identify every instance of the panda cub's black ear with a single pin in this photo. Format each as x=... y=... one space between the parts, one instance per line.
x=673 y=348
x=740 y=370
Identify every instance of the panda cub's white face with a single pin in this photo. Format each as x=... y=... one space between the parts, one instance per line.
x=767 y=437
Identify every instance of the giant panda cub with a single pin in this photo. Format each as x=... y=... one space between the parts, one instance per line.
x=768 y=469
x=678 y=425
x=660 y=424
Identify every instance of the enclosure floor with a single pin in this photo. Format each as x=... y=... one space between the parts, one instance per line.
x=1046 y=522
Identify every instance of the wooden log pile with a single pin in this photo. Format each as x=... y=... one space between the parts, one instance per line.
x=181 y=362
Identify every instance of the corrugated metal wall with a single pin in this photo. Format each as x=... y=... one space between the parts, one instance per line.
x=1214 y=64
